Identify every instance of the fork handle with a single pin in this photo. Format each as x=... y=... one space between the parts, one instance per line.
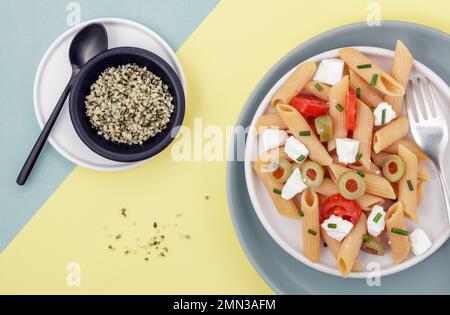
x=445 y=189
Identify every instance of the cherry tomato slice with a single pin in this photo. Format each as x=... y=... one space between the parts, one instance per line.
x=350 y=110
x=339 y=206
x=310 y=105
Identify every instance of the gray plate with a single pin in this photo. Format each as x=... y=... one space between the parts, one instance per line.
x=282 y=272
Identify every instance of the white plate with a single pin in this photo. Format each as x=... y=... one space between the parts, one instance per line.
x=286 y=232
x=54 y=72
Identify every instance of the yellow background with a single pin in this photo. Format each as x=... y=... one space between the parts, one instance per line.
x=224 y=59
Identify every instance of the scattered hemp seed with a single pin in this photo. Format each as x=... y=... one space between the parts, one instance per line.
x=145 y=242
x=206 y=197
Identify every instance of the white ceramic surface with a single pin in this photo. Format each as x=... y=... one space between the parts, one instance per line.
x=54 y=72
x=286 y=232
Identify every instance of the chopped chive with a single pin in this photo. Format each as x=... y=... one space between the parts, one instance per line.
x=367 y=65
x=358 y=92
x=277 y=191
x=365 y=237
x=300 y=213
x=312 y=232
x=399 y=231
x=301 y=158
x=339 y=107
x=318 y=87
x=374 y=79
x=359 y=156
x=304 y=133
x=361 y=173
x=332 y=225
x=410 y=185
x=377 y=217
x=383 y=116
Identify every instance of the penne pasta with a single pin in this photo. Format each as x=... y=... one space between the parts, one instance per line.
x=273 y=155
x=337 y=101
x=349 y=250
x=375 y=185
x=367 y=93
x=300 y=128
x=295 y=83
x=401 y=69
x=334 y=245
x=366 y=201
x=399 y=243
x=318 y=89
x=411 y=145
x=363 y=133
x=420 y=193
x=422 y=173
x=287 y=208
x=377 y=78
x=390 y=134
x=310 y=225
x=408 y=184
x=272 y=120
x=374 y=169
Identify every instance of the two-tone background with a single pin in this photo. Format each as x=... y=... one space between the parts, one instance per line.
x=59 y=233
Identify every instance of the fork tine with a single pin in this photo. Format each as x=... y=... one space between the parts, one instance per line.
x=409 y=102
x=434 y=99
x=429 y=106
x=417 y=101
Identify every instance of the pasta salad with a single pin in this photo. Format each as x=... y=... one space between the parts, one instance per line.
x=334 y=153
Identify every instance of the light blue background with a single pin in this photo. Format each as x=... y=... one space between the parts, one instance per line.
x=27 y=28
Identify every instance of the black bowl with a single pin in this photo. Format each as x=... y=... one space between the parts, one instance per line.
x=81 y=88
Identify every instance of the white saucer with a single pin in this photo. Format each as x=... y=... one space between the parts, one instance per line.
x=54 y=72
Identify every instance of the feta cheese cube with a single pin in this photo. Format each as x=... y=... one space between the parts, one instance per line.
x=293 y=186
x=336 y=227
x=347 y=149
x=330 y=71
x=420 y=242
x=378 y=113
x=272 y=138
x=296 y=150
x=377 y=214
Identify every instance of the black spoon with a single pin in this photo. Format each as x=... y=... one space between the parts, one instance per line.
x=87 y=43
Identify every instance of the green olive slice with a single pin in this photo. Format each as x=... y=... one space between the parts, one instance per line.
x=283 y=171
x=351 y=185
x=393 y=168
x=312 y=174
x=372 y=246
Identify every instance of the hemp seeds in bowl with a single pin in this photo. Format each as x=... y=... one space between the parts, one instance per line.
x=129 y=104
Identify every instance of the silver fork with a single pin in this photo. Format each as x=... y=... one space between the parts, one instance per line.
x=428 y=126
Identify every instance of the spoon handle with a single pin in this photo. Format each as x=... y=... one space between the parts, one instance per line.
x=40 y=142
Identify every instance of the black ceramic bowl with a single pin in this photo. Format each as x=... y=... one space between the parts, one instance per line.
x=81 y=88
